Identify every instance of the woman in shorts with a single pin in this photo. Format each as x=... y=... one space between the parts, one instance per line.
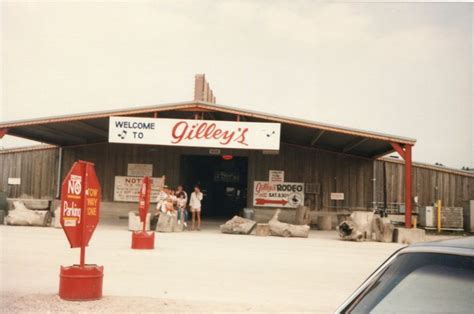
x=195 y=205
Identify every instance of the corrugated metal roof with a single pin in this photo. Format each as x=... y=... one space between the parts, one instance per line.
x=92 y=127
x=431 y=167
x=27 y=148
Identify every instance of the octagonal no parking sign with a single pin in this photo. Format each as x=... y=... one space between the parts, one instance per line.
x=80 y=203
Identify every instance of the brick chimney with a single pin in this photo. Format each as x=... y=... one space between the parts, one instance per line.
x=202 y=91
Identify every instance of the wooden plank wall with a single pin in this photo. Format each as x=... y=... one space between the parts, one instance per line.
x=428 y=184
x=112 y=159
x=37 y=170
x=330 y=171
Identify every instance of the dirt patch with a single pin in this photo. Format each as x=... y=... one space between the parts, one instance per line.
x=11 y=303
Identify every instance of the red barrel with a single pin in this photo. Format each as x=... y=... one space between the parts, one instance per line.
x=81 y=283
x=142 y=240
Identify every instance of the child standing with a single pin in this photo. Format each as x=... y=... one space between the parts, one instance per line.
x=181 y=205
x=169 y=206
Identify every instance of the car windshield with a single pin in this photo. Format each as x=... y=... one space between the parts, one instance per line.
x=421 y=283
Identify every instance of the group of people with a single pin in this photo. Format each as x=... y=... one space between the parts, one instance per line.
x=171 y=201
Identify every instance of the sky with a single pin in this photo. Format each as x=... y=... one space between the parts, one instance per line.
x=399 y=68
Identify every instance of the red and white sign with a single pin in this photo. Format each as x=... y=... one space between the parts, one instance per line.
x=80 y=203
x=278 y=194
x=195 y=133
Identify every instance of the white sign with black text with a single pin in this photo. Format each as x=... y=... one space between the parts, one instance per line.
x=14 y=181
x=276 y=176
x=139 y=170
x=195 y=133
x=337 y=196
x=126 y=189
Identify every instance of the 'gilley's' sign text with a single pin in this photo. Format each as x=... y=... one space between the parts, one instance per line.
x=195 y=133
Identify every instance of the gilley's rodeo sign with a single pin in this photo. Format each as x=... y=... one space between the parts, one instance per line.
x=195 y=133
x=278 y=194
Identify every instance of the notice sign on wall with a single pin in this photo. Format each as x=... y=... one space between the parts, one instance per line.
x=140 y=170
x=195 y=133
x=337 y=196
x=276 y=176
x=126 y=189
x=14 y=181
x=273 y=194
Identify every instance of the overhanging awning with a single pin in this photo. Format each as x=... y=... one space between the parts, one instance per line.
x=89 y=128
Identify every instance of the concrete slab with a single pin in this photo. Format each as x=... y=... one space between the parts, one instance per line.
x=134 y=223
x=238 y=225
x=262 y=230
x=408 y=236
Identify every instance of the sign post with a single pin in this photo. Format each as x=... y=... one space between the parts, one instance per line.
x=80 y=208
x=142 y=240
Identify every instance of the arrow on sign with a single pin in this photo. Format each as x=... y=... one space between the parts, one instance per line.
x=262 y=201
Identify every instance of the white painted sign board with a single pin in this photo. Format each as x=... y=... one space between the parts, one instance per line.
x=126 y=189
x=195 y=133
x=139 y=170
x=275 y=194
x=14 y=181
x=276 y=176
x=337 y=196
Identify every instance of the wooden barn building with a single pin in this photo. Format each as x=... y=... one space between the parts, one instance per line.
x=325 y=167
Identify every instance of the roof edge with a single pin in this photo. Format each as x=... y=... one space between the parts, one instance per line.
x=308 y=123
x=430 y=167
x=215 y=107
x=27 y=148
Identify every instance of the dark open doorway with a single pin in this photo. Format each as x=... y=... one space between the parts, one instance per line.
x=223 y=182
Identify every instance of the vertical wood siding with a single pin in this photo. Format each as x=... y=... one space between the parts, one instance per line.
x=428 y=184
x=37 y=170
x=332 y=172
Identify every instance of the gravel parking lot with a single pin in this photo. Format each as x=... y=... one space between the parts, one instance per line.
x=188 y=272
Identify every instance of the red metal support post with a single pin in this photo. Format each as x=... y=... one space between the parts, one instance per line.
x=405 y=152
x=3 y=132
x=399 y=149
x=82 y=262
x=408 y=181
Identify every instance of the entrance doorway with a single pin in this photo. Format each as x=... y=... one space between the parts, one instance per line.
x=223 y=183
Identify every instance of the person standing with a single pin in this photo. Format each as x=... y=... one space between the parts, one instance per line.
x=182 y=202
x=195 y=204
x=180 y=189
x=161 y=198
x=181 y=208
